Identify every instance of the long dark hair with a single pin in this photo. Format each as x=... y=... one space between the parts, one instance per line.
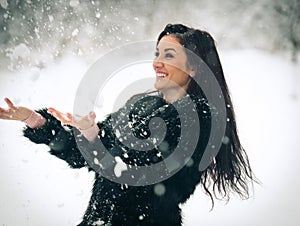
x=230 y=170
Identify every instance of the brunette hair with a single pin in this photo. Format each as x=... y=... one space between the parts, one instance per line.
x=230 y=170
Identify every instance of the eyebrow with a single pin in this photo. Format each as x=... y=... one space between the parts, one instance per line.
x=167 y=49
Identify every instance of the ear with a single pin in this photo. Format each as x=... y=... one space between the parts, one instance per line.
x=192 y=71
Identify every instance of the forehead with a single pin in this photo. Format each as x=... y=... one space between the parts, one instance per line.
x=169 y=41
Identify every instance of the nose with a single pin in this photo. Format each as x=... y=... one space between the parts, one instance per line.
x=157 y=64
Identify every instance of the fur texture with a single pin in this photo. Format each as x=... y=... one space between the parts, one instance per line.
x=120 y=204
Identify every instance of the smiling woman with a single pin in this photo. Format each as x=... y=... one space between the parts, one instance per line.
x=172 y=70
x=134 y=139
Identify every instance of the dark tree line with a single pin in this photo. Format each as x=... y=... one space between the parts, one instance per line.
x=288 y=16
x=88 y=28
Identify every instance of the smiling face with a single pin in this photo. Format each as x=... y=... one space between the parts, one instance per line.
x=172 y=72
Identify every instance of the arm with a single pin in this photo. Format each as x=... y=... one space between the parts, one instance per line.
x=60 y=139
x=46 y=129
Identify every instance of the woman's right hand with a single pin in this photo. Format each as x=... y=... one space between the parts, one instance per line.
x=13 y=112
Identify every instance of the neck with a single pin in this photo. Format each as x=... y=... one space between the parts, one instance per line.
x=172 y=95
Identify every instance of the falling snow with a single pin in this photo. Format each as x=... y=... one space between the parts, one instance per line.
x=56 y=40
x=3 y=4
x=119 y=167
x=159 y=189
x=258 y=143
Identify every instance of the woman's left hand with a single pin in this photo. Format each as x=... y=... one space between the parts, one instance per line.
x=78 y=121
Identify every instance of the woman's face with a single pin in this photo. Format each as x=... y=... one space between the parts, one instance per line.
x=170 y=65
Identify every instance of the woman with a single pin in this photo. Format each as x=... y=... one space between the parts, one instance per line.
x=177 y=75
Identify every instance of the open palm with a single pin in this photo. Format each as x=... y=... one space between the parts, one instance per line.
x=78 y=121
x=13 y=112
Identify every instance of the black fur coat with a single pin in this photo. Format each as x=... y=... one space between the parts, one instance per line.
x=119 y=204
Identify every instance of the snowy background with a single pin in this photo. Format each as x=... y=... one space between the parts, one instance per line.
x=46 y=47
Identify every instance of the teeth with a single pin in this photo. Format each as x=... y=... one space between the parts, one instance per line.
x=161 y=75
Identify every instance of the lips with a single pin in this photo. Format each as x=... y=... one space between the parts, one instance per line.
x=161 y=75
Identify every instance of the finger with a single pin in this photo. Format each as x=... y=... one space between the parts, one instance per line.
x=53 y=110
x=9 y=103
x=57 y=114
x=60 y=116
x=69 y=115
x=5 y=114
x=4 y=111
x=92 y=115
x=64 y=118
x=77 y=118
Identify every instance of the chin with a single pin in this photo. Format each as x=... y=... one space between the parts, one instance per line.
x=158 y=86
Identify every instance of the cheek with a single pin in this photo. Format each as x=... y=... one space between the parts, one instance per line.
x=179 y=79
x=184 y=78
x=180 y=68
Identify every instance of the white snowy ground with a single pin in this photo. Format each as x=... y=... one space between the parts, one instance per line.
x=38 y=189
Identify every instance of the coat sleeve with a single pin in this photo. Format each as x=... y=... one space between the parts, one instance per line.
x=60 y=140
x=68 y=144
x=117 y=141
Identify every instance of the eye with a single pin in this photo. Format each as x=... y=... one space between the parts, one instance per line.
x=169 y=55
x=156 y=54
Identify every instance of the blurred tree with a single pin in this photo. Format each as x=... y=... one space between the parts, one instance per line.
x=50 y=29
x=288 y=18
